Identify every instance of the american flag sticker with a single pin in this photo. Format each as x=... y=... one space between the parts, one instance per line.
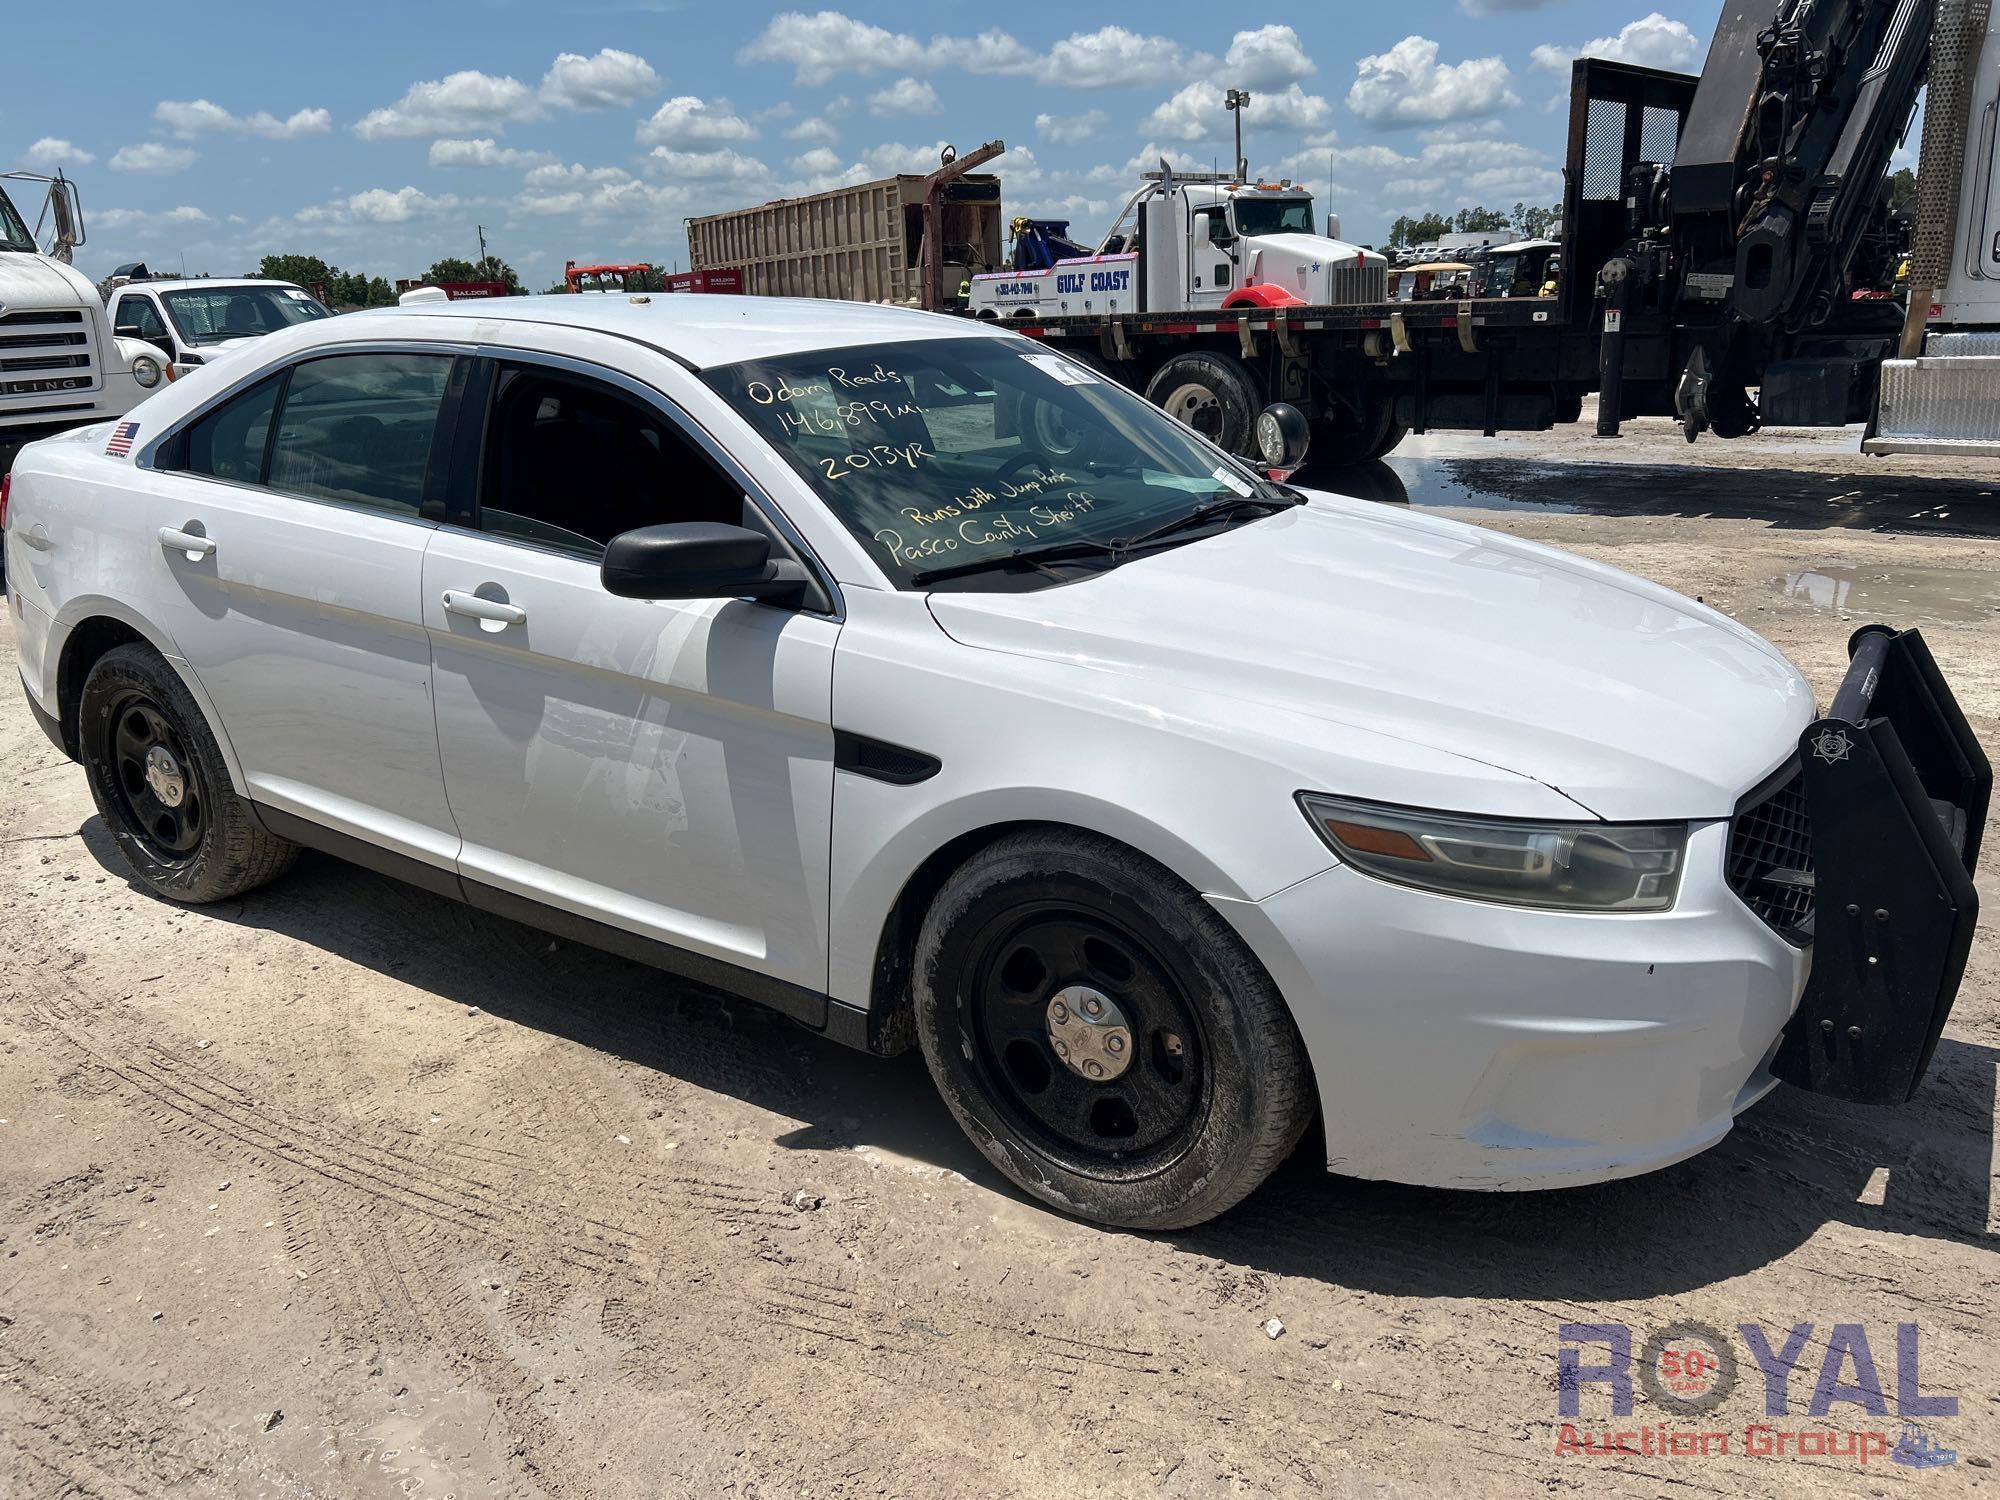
x=122 y=437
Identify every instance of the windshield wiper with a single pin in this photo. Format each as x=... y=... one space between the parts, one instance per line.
x=1022 y=557
x=1213 y=510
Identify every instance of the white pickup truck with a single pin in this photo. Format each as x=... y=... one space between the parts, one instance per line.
x=61 y=365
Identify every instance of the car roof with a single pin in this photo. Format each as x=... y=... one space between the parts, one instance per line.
x=701 y=329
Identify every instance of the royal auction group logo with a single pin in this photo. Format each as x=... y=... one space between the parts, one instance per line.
x=1688 y=1370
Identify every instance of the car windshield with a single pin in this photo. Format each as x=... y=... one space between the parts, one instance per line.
x=208 y=315
x=1262 y=215
x=13 y=233
x=987 y=460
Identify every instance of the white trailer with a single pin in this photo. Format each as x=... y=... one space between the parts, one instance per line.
x=1944 y=397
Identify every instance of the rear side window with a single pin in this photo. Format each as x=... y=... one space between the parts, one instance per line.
x=357 y=428
x=231 y=441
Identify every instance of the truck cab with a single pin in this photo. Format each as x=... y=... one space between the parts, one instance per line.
x=1192 y=243
x=61 y=365
x=192 y=321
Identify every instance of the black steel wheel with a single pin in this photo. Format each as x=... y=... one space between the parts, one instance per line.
x=1102 y=1035
x=162 y=786
x=159 y=795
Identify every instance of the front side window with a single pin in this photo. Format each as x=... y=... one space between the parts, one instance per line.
x=357 y=428
x=1261 y=215
x=13 y=233
x=571 y=462
x=138 y=312
x=984 y=459
x=209 y=315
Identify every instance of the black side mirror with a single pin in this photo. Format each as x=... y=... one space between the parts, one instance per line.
x=1283 y=435
x=699 y=560
x=129 y=331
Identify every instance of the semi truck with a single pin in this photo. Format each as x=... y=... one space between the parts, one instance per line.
x=1726 y=244
x=61 y=363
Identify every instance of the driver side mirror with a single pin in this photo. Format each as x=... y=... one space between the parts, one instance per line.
x=700 y=560
x=1283 y=436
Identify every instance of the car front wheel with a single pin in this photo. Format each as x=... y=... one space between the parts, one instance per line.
x=159 y=781
x=1103 y=1036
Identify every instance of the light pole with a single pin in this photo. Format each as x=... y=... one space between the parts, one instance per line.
x=1236 y=101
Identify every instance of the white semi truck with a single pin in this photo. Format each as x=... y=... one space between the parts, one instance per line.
x=1193 y=242
x=1944 y=397
x=61 y=363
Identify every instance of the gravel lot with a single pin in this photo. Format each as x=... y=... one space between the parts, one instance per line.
x=347 y=1191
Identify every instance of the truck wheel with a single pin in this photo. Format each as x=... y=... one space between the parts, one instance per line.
x=1214 y=394
x=1344 y=440
x=1103 y=1036
x=159 y=782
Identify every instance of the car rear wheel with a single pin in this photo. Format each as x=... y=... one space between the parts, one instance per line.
x=1214 y=394
x=159 y=781
x=1103 y=1036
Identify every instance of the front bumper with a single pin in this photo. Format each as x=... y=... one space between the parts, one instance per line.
x=1463 y=1044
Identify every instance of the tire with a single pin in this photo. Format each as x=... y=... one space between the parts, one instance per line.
x=1214 y=394
x=174 y=815
x=1213 y=1091
x=1342 y=441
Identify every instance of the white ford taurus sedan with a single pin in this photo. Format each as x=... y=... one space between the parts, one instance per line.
x=919 y=682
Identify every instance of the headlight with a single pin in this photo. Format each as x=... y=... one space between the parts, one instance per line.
x=146 y=370
x=1562 y=866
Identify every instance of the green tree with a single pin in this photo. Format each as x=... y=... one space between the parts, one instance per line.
x=1418 y=231
x=492 y=268
x=1533 y=223
x=302 y=270
x=1482 y=221
x=1902 y=188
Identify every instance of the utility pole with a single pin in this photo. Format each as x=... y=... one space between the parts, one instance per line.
x=1236 y=101
x=481 y=228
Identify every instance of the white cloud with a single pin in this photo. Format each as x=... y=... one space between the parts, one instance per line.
x=188 y=118
x=1112 y=56
x=153 y=158
x=117 y=220
x=688 y=121
x=1651 y=42
x=906 y=96
x=989 y=52
x=607 y=80
x=1196 y=113
x=826 y=44
x=557 y=175
x=52 y=152
x=821 y=161
x=457 y=104
x=1266 y=58
x=1067 y=130
x=1407 y=85
x=483 y=152
x=1151 y=154
x=707 y=165
x=397 y=206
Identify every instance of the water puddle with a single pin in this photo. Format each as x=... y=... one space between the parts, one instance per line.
x=1910 y=595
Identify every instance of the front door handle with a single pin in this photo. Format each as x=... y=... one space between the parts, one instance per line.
x=487 y=611
x=38 y=539
x=194 y=545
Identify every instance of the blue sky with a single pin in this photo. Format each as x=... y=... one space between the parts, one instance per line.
x=378 y=136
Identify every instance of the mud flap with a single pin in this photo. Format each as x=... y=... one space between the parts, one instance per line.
x=1898 y=791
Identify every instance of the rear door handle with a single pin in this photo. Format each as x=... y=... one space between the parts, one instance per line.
x=38 y=539
x=488 y=611
x=196 y=547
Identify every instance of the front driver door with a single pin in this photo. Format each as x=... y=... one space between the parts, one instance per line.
x=665 y=768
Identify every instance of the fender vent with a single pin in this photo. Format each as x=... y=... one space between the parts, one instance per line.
x=883 y=762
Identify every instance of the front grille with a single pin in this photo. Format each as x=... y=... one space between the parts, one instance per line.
x=1771 y=856
x=1355 y=286
x=45 y=351
x=39 y=315
x=45 y=362
x=41 y=340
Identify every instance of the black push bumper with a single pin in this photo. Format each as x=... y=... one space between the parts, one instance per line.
x=1897 y=789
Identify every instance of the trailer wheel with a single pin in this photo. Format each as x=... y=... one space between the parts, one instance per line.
x=1214 y=394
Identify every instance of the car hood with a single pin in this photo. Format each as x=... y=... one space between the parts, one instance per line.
x=1630 y=700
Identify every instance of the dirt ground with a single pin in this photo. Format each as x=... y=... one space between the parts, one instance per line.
x=347 y=1191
